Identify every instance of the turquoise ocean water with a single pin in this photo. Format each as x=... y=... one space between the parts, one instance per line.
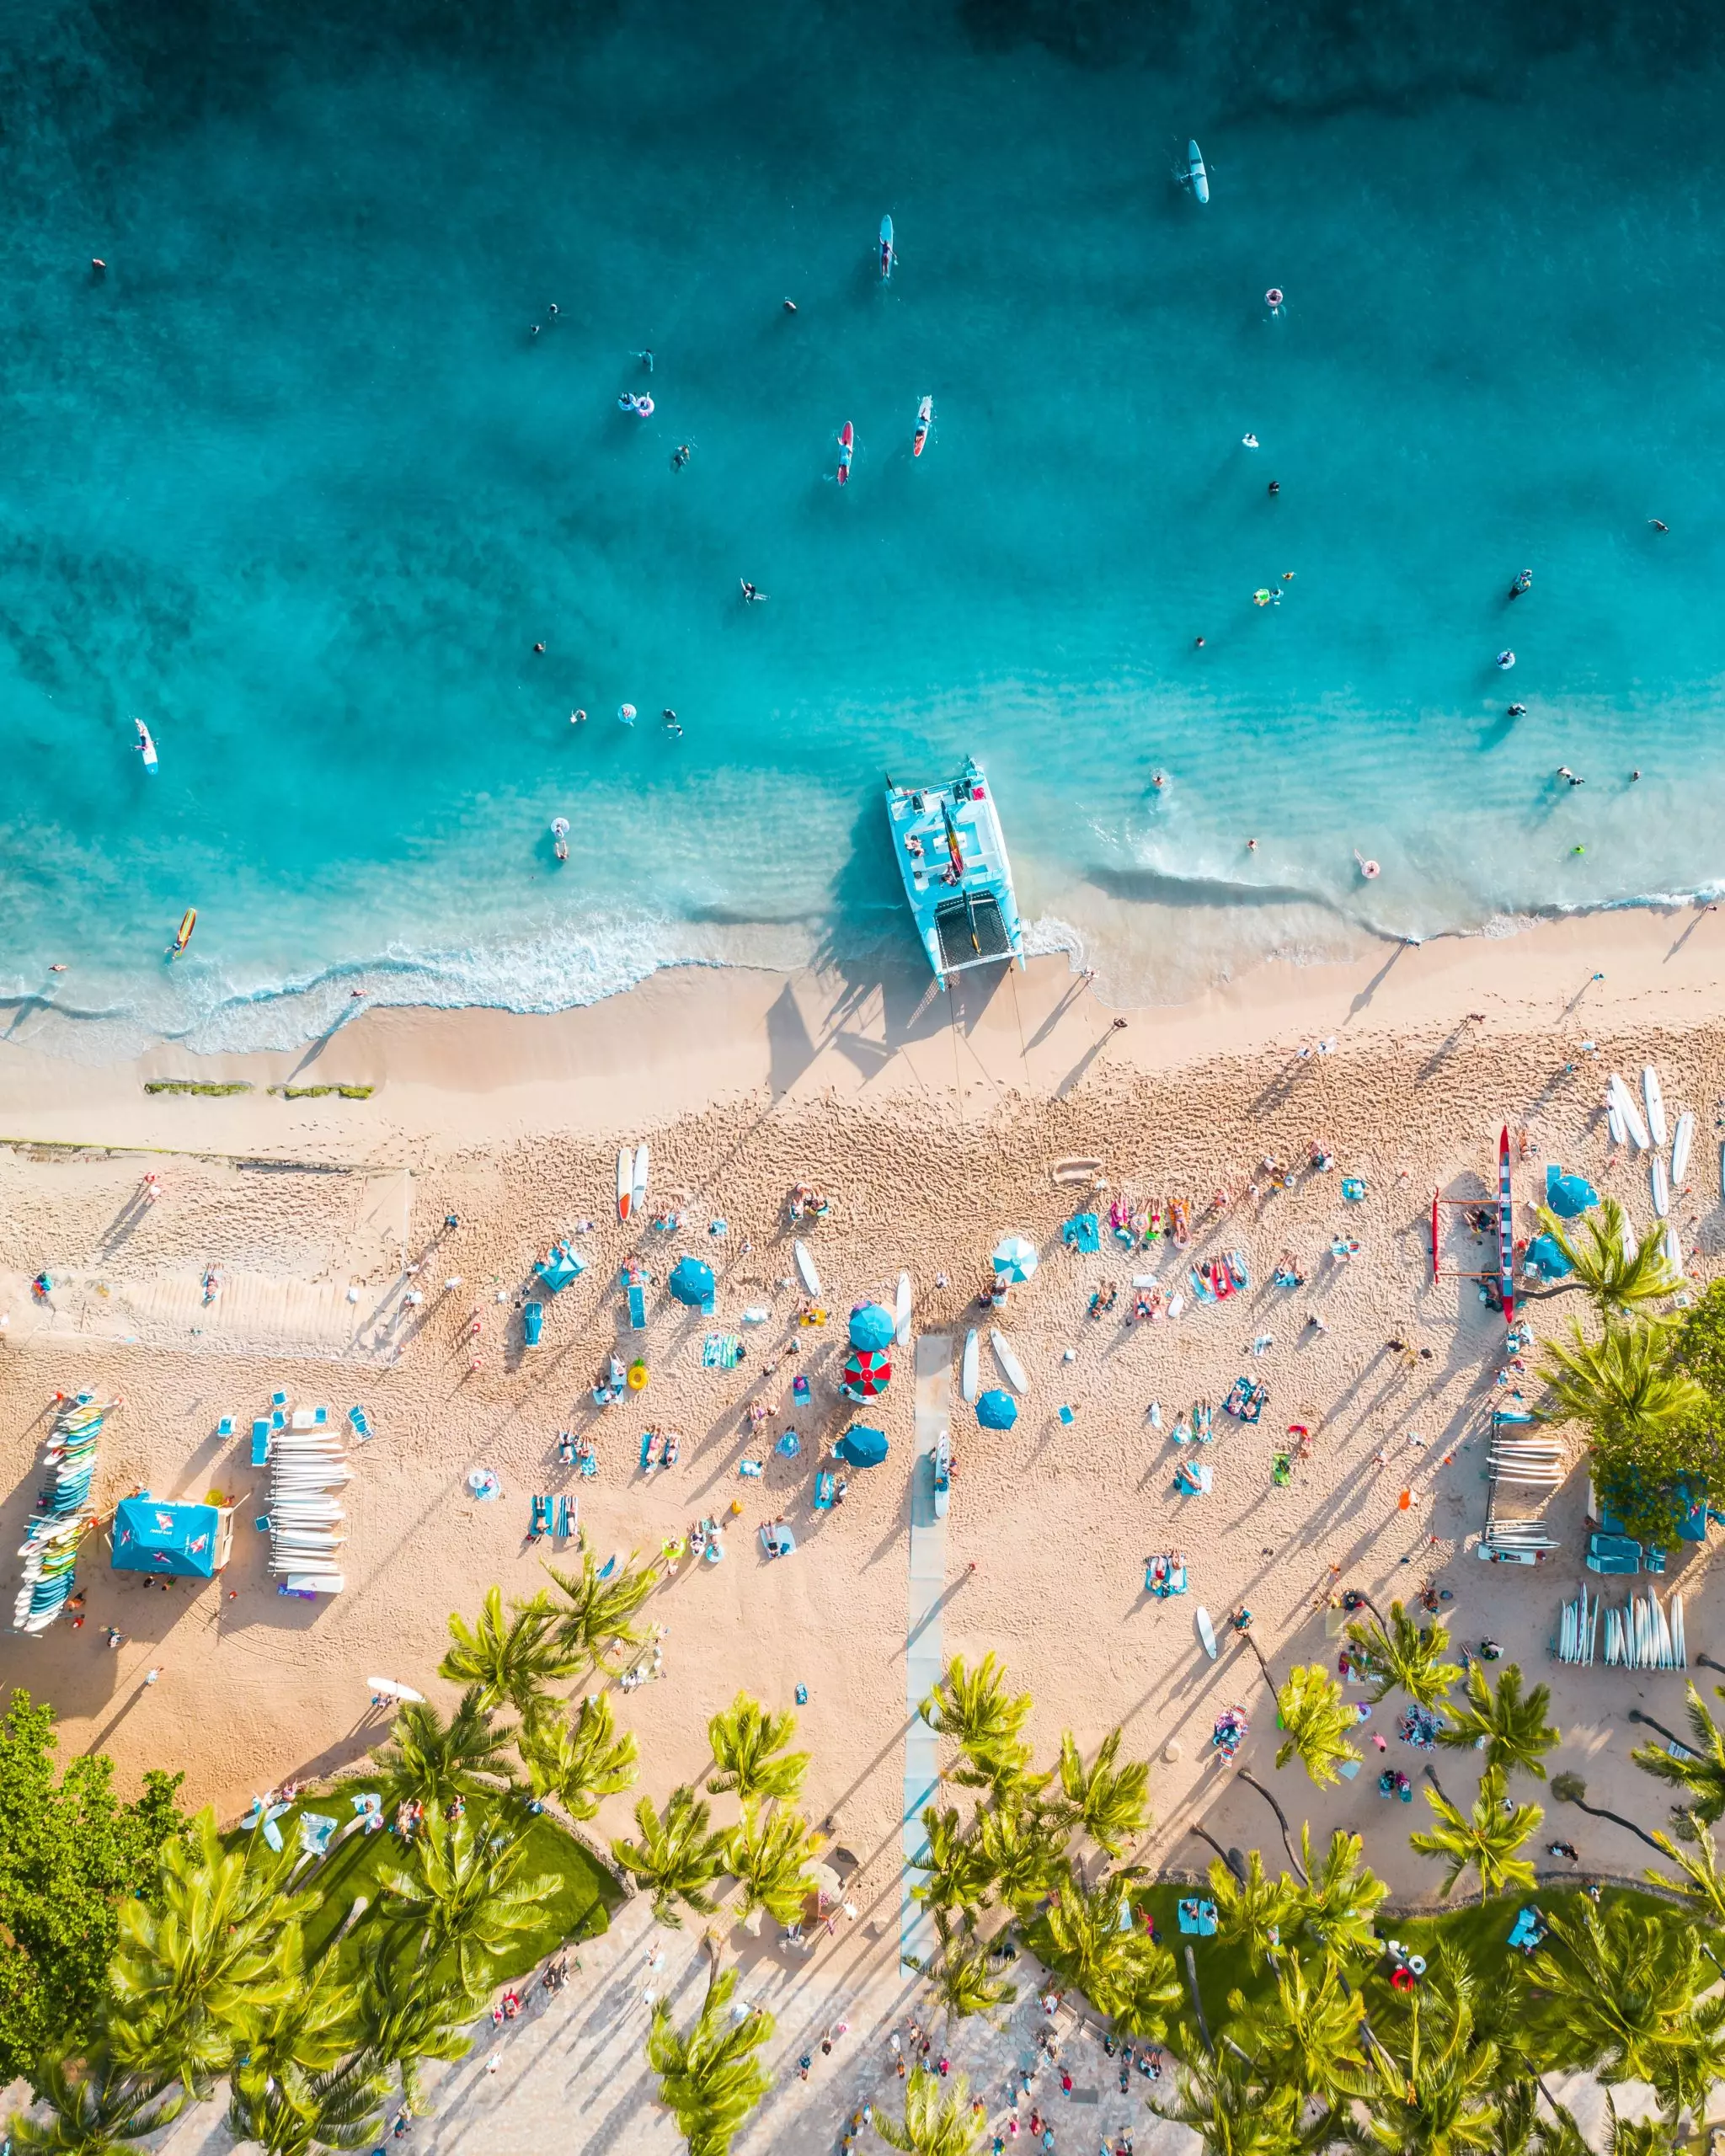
x=294 y=483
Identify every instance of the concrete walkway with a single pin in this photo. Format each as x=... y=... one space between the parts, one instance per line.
x=923 y=1659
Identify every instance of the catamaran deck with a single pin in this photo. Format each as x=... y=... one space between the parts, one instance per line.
x=968 y=919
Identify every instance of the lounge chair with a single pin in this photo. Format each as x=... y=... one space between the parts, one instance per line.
x=566 y=1518
x=260 y=1443
x=361 y=1421
x=224 y=1428
x=1613 y=1553
x=637 y=1310
x=533 y=1324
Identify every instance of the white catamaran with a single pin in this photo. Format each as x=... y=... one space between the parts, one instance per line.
x=953 y=857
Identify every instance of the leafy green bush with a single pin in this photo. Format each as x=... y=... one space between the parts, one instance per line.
x=1651 y=1478
x=204 y=1086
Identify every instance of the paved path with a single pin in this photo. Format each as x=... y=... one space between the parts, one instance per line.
x=923 y=1660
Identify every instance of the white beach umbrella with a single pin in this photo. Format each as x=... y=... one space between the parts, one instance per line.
x=1015 y=1258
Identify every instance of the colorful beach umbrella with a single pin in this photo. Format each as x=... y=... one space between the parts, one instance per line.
x=867 y=1372
x=692 y=1282
x=1015 y=1258
x=996 y=1410
x=872 y=1325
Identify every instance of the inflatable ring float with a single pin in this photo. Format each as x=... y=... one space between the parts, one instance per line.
x=637 y=1377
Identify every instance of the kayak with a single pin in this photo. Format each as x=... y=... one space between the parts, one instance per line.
x=925 y=417
x=848 y=443
x=887 y=256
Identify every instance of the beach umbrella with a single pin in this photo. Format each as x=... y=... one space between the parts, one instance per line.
x=996 y=1410
x=872 y=1325
x=1568 y=1196
x=1015 y=1259
x=867 y=1372
x=692 y=1282
x=862 y=1448
x=1083 y=1231
x=1546 y=1253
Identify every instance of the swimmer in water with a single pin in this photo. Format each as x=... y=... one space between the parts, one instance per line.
x=645 y=358
x=578 y=718
x=671 y=723
x=1198 y=643
x=1517 y=711
x=1633 y=775
x=681 y=457
x=1506 y=659
x=751 y=597
x=1275 y=486
x=1248 y=441
x=1158 y=780
x=552 y=307
x=1657 y=525
x=1521 y=584
x=790 y=306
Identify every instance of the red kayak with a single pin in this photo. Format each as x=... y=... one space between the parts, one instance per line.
x=847 y=442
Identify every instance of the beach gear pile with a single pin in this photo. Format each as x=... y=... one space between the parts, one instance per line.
x=1230 y=1731
x=62 y=1514
x=307 y=1471
x=1419 y=1726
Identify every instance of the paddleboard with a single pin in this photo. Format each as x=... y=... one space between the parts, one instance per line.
x=1614 y=1121
x=1680 y=1145
x=625 y=1180
x=901 y=1312
x=942 y=1474
x=1630 y=1114
x=1206 y=1631
x=925 y=419
x=1662 y=1188
x=1011 y=1367
x=1199 y=180
x=183 y=934
x=968 y=1374
x=805 y=1268
x=145 y=746
x=638 y=1188
x=1674 y=1254
x=848 y=443
x=1653 y=1094
x=887 y=256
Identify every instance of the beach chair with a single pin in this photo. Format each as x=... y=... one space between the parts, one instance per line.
x=533 y=1324
x=260 y=1443
x=278 y=1399
x=824 y=1486
x=1067 y=1415
x=541 y=1517
x=224 y=1428
x=637 y=1310
x=1613 y=1553
x=361 y=1421
x=1653 y=1560
x=567 y=1515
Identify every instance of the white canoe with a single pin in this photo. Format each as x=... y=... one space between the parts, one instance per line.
x=1206 y=1631
x=902 y=1312
x=1011 y=1367
x=1627 y=1109
x=968 y=1371
x=1681 y=1143
x=1653 y=1094
x=1662 y=1188
x=805 y=1268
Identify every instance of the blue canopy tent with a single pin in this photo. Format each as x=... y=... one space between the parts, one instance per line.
x=862 y=1447
x=1568 y=1196
x=1083 y=1231
x=996 y=1410
x=692 y=1282
x=189 y=1542
x=873 y=1327
x=1546 y=1253
x=560 y=1267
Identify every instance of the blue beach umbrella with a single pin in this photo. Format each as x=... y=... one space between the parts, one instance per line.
x=1568 y=1196
x=1546 y=1253
x=996 y=1410
x=872 y=1326
x=692 y=1282
x=1015 y=1259
x=861 y=1447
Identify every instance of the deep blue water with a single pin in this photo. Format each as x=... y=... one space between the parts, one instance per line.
x=294 y=481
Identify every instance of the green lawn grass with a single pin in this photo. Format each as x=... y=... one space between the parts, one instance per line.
x=579 y=1908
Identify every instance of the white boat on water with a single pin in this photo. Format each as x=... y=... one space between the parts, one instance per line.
x=952 y=857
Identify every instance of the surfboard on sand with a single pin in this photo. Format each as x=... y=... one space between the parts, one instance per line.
x=1680 y=1144
x=967 y=1368
x=805 y=1268
x=1011 y=1367
x=901 y=1311
x=1653 y=1094
x=1628 y=1109
x=1661 y=1188
x=638 y=1188
x=1206 y=1631
x=625 y=1180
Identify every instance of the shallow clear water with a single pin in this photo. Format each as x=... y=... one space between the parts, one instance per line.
x=294 y=483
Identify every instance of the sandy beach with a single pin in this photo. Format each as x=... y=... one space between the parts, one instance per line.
x=935 y=1125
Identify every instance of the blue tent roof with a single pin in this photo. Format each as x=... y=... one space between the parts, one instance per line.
x=560 y=1267
x=862 y=1447
x=1567 y=1196
x=692 y=1282
x=872 y=1326
x=996 y=1410
x=1083 y=1231
x=182 y=1540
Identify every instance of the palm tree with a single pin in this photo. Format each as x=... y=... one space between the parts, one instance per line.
x=1515 y=1730
x=95 y=2108
x=1622 y=1386
x=1252 y=1911
x=1571 y=1789
x=973 y=1708
x=744 y=1738
x=1702 y=1884
x=1232 y=2113
x=1316 y=1720
x=677 y=1855
x=1125 y=1973
x=407 y=2015
x=965 y=1983
x=295 y=2109
x=1406 y=1655
x=579 y=1763
x=517 y=1660
x=768 y=1852
x=937 y=2120
x=1111 y=1804
x=466 y=1899
x=1337 y=1903
x=710 y=2079
x=1618 y=1285
x=1020 y=1851
x=598 y=1626
x=958 y=1877
x=428 y=1760
x=1702 y=1772
x=200 y=1962
x=1269 y=1797
x=1439 y=2098
x=1628 y=1994
x=1489 y=1838
x=1308 y=2037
